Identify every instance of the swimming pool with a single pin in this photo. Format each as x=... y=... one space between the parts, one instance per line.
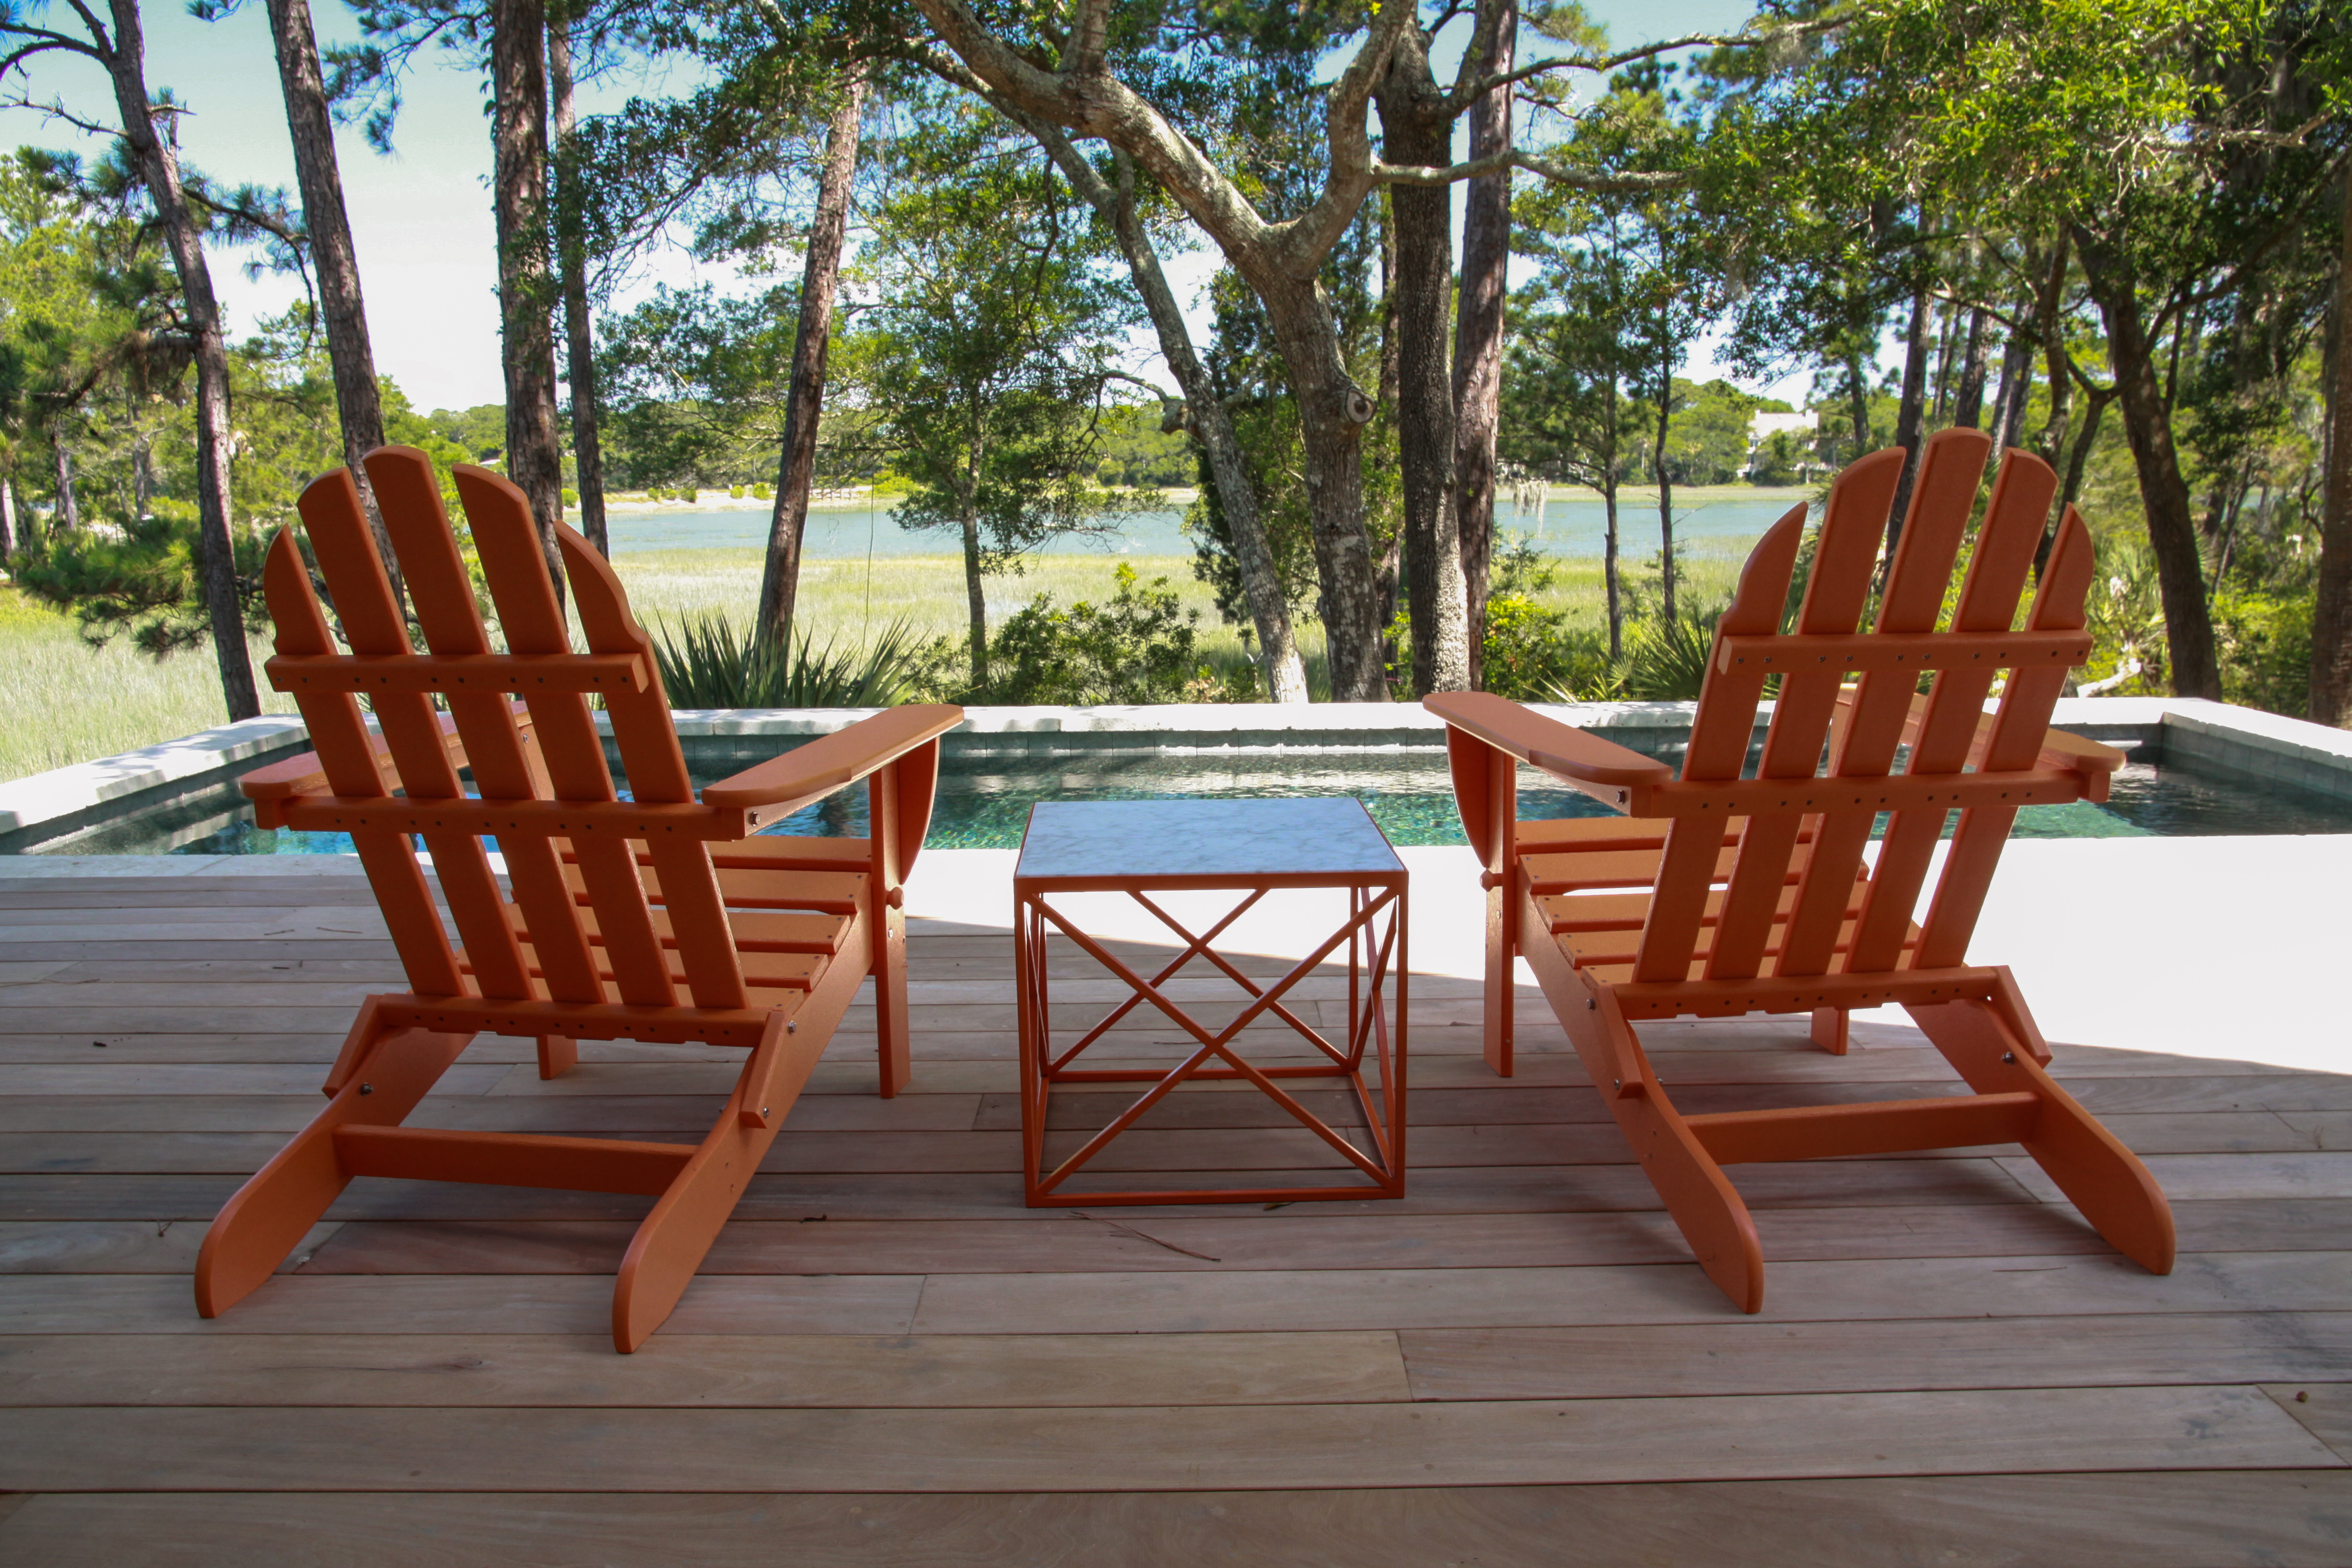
x=983 y=803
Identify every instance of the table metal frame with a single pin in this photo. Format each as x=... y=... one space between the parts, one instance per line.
x=1374 y=936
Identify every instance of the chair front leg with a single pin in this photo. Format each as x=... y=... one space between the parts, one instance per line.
x=886 y=928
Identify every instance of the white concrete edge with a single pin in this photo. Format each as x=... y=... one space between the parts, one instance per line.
x=44 y=798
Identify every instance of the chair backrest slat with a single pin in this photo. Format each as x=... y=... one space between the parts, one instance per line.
x=2016 y=736
x=656 y=770
x=2012 y=527
x=339 y=736
x=411 y=730
x=1844 y=552
x=1719 y=750
x=533 y=628
x=1951 y=465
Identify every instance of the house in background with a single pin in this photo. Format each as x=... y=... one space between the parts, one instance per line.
x=1780 y=448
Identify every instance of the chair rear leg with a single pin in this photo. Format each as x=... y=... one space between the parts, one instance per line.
x=261 y=1223
x=2104 y=1179
x=1830 y=1026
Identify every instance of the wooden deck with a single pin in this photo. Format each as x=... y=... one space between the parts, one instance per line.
x=888 y=1359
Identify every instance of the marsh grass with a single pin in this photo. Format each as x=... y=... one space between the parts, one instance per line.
x=61 y=703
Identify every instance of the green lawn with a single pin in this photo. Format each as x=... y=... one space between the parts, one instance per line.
x=61 y=702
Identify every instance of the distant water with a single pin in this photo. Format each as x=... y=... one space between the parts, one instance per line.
x=1566 y=527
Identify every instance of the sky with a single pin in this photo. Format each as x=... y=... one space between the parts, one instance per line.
x=420 y=218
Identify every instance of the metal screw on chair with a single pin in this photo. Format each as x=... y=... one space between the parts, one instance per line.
x=367 y=1088
x=2008 y=1056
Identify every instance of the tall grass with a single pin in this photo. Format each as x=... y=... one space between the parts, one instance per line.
x=61 y=703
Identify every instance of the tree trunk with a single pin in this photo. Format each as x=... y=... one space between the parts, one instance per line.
x=2164 y=493
x=1278 y=657
x=1968 y=400
x=2331 y=613
x=158 y=164
x=804 y=397
x=1478 y=339
x=1332 y=414
x=1948 y=318
x=1857 y=401
x=1418 y=129
x=358 y=403
x=2049 y=306
x=1666 y=481
x=572 y=263
x=975 y=596
x=66 y=518
x=9 y=543
x=2016 y=386
x=1386 y=570
x=2078 y=457
x=526 y=294
x=1909 y=417
x=1609 y=566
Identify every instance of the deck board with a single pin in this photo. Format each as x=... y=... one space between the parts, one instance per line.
x=1517 y=1353
x=2213 y=1519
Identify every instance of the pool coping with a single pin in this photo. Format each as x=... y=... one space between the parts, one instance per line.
x=2240 y=741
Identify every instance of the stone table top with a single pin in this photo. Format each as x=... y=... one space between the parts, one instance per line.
x=1333 y=837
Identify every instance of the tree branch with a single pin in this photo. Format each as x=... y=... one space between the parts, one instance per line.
x=1626 y=183
x=1603 y=63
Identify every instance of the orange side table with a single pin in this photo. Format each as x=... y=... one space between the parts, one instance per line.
x=1255 y=849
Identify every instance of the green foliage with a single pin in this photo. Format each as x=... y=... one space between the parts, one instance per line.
x=1138 y=647
x=1665 y=660
x=142 y=585
x=1136 y=454
x=710 y=661
x=1532 y=654
x=2266 y=646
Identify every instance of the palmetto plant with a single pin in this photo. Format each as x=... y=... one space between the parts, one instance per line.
x=710 y=661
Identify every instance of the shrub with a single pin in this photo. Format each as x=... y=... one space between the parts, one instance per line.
x=709 y=661
x=1666 y=660
x=1532 y=654
x=2266 y=646
x=1139 y=647
x=735 y=492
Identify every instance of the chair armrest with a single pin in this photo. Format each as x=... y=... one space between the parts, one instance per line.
x=830 y=762
x=270 y=788
x=1603 y=769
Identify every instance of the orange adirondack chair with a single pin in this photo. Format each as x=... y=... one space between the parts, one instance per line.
x=1753 y=894
x=654 y=918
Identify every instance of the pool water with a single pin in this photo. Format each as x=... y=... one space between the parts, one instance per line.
x=983 y=803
